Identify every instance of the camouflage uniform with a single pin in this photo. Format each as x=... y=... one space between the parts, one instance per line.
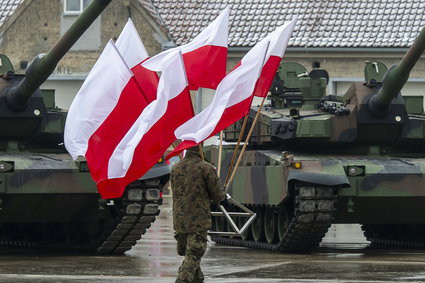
x=195 y=185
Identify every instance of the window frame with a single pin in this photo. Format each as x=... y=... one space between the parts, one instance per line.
x=65 y=11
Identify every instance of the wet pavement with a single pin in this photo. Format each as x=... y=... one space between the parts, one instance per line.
x=343 y=257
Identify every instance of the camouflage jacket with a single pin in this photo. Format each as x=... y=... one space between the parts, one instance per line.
x=195 y=185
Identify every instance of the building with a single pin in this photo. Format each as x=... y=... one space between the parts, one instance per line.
x=340 y=35
x=31 y=27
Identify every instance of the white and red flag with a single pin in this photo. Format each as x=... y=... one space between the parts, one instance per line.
x=234 y=94
x=102 y=112
x=153 y=131
x=134 y=53
x=278 y=42
x=205 y=56
x=231 y=101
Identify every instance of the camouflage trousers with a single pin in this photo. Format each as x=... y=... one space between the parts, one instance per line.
x=192 y=246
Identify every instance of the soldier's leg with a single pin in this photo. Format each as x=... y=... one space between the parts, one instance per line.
x=199 y=276
x=190 y=270
x=181 y=239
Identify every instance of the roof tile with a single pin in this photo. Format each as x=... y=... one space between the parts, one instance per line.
x=320 y=23
x=7 y=7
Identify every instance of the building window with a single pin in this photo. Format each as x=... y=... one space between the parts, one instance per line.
x=90 y=40
x=75 y=6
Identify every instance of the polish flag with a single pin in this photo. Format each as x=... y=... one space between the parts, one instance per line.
x=234 y=95
x=206 y=55
x=153 y=130
x=278 y=42
x=134 y=53
x=231 y=101
x=102 y=112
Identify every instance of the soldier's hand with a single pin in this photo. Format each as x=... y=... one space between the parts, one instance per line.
x=225 y=202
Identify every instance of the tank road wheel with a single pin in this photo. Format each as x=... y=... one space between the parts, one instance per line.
x=283 y=220
x=270 y=225
x=257 y=226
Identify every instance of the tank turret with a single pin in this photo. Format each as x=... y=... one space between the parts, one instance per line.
x=371 y=112
x=42 y=66
x=27 y=114
x=396 y=77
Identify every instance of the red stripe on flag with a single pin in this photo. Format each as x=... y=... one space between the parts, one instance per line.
x=102 y=143
x=147 y=79
x=205 y=66
x=182 y=146
x=233 y=114
x=152 y=146
x=267 y=75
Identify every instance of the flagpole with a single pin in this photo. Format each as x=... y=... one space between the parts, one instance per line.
x=235 y=152
x=250 y=130
x=201 y=151
x=174 y=147
x=220 y=153
x=245 y=144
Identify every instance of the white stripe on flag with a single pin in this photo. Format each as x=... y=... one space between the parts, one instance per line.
x=130 y=45
x=171 y=84
x=95 y=100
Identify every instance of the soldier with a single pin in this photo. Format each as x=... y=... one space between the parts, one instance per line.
x=195 y=185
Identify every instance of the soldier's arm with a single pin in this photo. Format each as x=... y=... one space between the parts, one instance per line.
x=215 y=192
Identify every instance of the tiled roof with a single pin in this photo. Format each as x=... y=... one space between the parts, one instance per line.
x=321 y=23
x=7 y=7
x=152 y=10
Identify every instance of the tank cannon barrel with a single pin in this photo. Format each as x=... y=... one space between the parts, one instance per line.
x=396 y=77
x=43 y=66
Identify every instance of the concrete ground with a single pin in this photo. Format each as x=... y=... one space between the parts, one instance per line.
x=343 y=257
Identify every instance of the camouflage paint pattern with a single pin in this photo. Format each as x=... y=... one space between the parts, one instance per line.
x=45 y=173
x=277 y=126
x=363 y=182
x=262 y=178
x=47 y=187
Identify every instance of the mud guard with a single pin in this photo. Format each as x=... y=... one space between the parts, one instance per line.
x=320 y=179
x=159 y=170
x=334 y=177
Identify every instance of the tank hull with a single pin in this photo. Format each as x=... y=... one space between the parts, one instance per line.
x=48 y=201
x=354 y=185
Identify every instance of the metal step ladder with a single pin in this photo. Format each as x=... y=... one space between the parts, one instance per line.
x=228 y=215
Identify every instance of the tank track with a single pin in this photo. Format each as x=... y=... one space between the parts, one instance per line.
x=140 y=206
x=245 y=243
x=135 y=212
x=313 y=212
x=406 y=236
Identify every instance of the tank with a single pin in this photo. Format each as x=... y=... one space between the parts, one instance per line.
x=315 y=159
x=47 y=200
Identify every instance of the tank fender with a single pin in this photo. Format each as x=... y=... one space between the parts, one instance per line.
x=327 y=173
